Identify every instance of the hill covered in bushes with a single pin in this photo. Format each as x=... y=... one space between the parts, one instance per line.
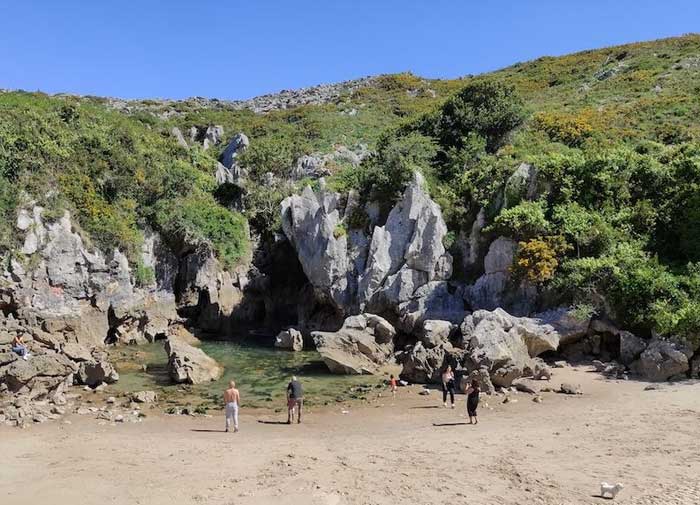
x=610 y=223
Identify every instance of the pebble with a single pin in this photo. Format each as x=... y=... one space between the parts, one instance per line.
x=111 y=399
x=119 y=418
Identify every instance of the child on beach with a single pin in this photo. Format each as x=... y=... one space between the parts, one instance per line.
x=392 y=385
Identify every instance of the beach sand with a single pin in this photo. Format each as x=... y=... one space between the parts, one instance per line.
x=409 y=451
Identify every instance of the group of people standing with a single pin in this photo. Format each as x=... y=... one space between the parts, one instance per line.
x=472 y=392
x=232 y=401
x=295 y=398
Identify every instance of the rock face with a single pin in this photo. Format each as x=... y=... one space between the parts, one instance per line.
x=436 y=332
x=236 y=146
x=74 y=300
x=290 y=339
x=362 y=345
x=521 y=185
x=37 y=376
x=95 y=372
x=505 y=345
x=631 y=347
x=188 y=364
x=662 y=360
x=492 y=289
x=491 y=342
x=356 y=273
x=318 y=165
x=423 y=365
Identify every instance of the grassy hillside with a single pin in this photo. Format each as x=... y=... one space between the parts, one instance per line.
x=612 y=132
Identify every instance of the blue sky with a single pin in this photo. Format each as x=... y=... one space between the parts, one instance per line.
x=238 y=49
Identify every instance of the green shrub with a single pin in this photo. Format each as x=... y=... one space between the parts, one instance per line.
x=144 y=276
x=199 y=220
x=524 y=221
x=488 y=108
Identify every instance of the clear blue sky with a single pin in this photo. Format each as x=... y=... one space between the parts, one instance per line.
x=239 y=49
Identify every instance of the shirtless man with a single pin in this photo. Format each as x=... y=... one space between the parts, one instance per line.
x=232 y=399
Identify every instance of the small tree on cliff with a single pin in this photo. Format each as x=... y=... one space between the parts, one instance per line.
x=488 y=108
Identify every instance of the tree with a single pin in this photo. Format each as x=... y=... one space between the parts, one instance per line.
x=488 y=108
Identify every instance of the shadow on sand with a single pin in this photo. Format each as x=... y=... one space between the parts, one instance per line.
x=271 y=422
x=450 y=424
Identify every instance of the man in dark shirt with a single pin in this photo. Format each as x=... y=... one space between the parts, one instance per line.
x=295 y=400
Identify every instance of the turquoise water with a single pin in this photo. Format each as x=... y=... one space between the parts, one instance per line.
x=261 y=374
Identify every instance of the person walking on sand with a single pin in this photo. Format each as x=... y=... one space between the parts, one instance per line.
x=392 y=385
x=448 y=386
x=295 y=400
x=232 y=400
x=473 y=401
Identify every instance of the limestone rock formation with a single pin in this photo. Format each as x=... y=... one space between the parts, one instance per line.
x=94 y=372
x=177 y=134
x=436 y=332
x=188 y=364
x=357 y=273
x=662 y=360
x=290 y=339
x=631 y=347
x=434 y=300
x=236 y=146
x=359 y=347
x=423 y=365
x=505 y=344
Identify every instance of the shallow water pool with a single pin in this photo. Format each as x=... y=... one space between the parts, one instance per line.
x=261 y=374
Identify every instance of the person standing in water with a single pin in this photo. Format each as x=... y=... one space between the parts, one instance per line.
x=295 y=400
x=473 y=401
x=448 y=386
x=232 y=400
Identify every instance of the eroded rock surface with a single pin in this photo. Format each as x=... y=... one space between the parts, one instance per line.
x=361 y=346
x=189 y=364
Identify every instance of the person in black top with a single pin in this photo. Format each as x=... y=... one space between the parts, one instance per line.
x=473 y=401
x=295 y=400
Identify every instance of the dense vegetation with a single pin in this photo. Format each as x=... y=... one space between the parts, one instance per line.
x=614 y=136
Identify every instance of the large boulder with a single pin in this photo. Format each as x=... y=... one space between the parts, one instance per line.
x=436 y=332
x=188 y=364
x=36 y=376
x=505 y=345
x=290 y=339
x=493 y=345
x=95 y=372
x=661 y=360
x=425 y=365
x=548 y=330
x=361 y=346
x=631 y=347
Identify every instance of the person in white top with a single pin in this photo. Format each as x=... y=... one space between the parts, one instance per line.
x=448 y=386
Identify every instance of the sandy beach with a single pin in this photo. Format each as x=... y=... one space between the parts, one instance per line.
x=410 y=450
